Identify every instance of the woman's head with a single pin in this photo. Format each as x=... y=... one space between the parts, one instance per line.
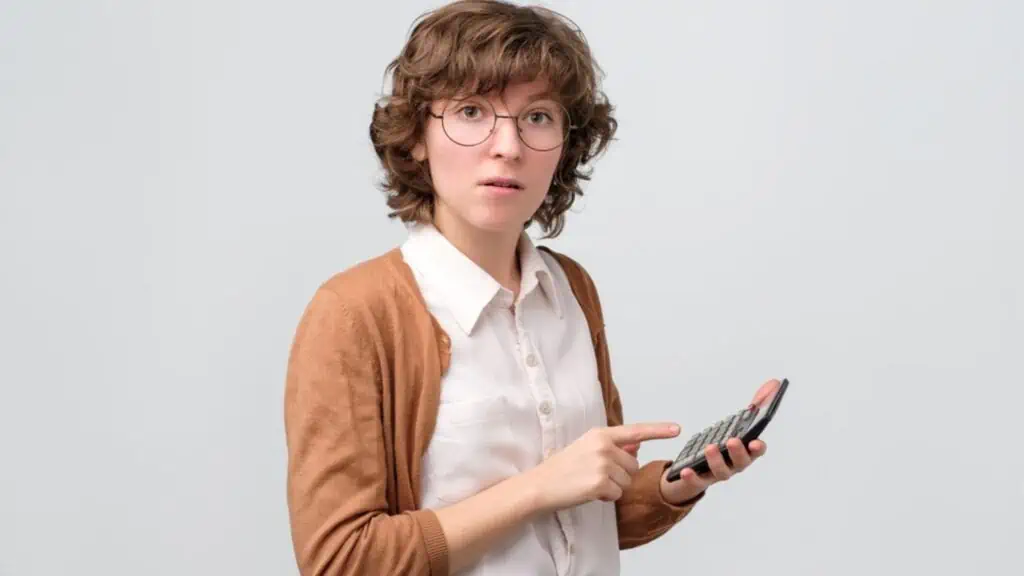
x=443 y=133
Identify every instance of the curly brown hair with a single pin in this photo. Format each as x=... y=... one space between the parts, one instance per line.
x=482 y=46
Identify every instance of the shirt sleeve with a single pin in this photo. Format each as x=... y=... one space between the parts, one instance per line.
x=336 y=474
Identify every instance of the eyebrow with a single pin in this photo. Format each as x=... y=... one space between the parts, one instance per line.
x=530 y=98
x=547 y=94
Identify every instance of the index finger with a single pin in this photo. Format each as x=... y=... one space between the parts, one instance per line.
x=641 y=431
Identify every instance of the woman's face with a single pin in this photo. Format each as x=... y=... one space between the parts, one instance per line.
x=493 y=181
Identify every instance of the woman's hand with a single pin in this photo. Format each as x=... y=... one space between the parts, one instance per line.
x=690 y=484
x=597 y=466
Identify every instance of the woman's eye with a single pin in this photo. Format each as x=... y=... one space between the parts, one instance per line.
x=539 y=117
x=470 y=112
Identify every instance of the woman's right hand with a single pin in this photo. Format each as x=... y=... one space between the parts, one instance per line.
x=599 y=465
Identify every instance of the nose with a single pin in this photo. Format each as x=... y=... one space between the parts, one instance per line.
x=505 y=141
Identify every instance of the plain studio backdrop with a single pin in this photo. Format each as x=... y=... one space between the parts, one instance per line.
x=826 y=191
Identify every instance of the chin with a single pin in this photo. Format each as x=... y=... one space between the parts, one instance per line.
x=498 y=220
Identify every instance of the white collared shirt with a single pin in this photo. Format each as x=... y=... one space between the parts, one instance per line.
x=520 y=387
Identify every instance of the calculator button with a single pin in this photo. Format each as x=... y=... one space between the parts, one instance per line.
x=698 y=448
x=744 y=421
x=713 y=437
x=701 y=443
x=720 y=434
x=741 y=428
x=716 y=434
x=710 y=438
x=731 y=432
x=734 y=423
x=689 y=445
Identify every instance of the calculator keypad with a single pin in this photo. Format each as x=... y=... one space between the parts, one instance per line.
x=717 y=433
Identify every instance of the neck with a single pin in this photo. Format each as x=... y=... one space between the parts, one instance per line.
x=493 y=251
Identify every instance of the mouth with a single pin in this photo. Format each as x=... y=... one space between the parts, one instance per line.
x=508 y=183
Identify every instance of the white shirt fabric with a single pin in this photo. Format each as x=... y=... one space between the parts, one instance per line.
x=520 y=387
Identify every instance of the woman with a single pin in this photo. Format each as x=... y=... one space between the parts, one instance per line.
x=449 y=404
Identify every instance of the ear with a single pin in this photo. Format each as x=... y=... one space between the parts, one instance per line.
x=419 y=152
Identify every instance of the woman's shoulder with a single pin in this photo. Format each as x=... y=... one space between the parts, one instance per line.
x=380 y=285
x=580 y=282
x=362 y=279
x=575 y=272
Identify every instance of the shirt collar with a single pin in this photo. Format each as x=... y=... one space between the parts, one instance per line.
x=464 y=287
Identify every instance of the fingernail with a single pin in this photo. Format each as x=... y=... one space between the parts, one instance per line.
x=674 y=428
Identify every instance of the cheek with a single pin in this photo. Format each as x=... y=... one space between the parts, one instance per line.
x=543 y=171
x=448 y=166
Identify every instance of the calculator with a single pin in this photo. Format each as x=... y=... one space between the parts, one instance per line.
x=747 y=424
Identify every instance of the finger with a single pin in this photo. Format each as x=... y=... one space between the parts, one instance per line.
x=632 y=449
x=757 y=448
x=639 y=432
x=620 y=476
x=766 y=391
x=610 y=492
x=738 y=454
x=698 y=481
x=717 y=464
x=625 y=460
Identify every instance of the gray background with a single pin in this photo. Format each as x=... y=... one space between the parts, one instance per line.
x=829 y=191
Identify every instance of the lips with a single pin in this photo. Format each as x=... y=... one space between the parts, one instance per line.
x=510 y=183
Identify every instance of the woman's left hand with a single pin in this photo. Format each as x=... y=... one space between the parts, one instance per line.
x=690 y=484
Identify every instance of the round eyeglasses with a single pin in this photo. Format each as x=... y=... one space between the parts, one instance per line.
x=543 y=125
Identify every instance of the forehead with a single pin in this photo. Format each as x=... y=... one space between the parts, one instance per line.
x=514 y=91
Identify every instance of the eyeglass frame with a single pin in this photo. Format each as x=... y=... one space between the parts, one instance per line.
x=515 y=120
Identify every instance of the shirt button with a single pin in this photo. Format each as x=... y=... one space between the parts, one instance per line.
x=545 y=408
x=531 y=360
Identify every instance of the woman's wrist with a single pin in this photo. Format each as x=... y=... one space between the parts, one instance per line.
x=529 y=490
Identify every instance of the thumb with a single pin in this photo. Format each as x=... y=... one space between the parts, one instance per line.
x=631 y=449
x=765 y=392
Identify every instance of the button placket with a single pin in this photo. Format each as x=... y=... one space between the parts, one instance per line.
x=564 y=523
x=536 y=376
x=565 y=519
x=547 y=414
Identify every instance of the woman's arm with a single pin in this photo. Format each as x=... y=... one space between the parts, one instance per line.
x=336 y=486
x=473 y=525
x=594 y=467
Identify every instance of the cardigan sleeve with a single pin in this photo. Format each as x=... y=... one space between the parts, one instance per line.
x=642 y=512
x=336 y=474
